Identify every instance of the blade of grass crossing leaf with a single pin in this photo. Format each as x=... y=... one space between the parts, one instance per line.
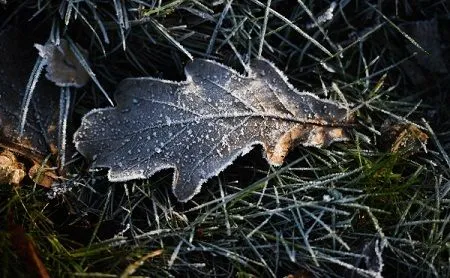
x=32 y=81
x=264 y=28
x=166 y=34
x=296 y=28
x=86 y=66
x=123 y=21
x=218 y=25
x=64 y=106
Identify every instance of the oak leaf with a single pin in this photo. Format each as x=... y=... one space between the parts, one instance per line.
x=199 y=126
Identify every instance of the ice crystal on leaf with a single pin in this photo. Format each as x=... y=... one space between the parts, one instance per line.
x=199 y=126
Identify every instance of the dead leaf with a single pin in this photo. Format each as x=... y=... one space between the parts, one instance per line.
x=25 y=248
x=403 y=138
x=198 y=127
x=11 y=171
x=16 y=62
x=63 y=68
x=43 y=175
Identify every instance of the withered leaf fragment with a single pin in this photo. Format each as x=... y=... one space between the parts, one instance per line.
x=403 y=138
x=199 y=126
x=63 y=67
x=11 y=171
x=25 y=248
x=16 y=62
x=17 y=56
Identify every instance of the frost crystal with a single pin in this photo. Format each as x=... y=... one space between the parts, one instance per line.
x=199 y=126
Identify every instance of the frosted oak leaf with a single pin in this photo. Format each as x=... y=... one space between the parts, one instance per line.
x=199 y=126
